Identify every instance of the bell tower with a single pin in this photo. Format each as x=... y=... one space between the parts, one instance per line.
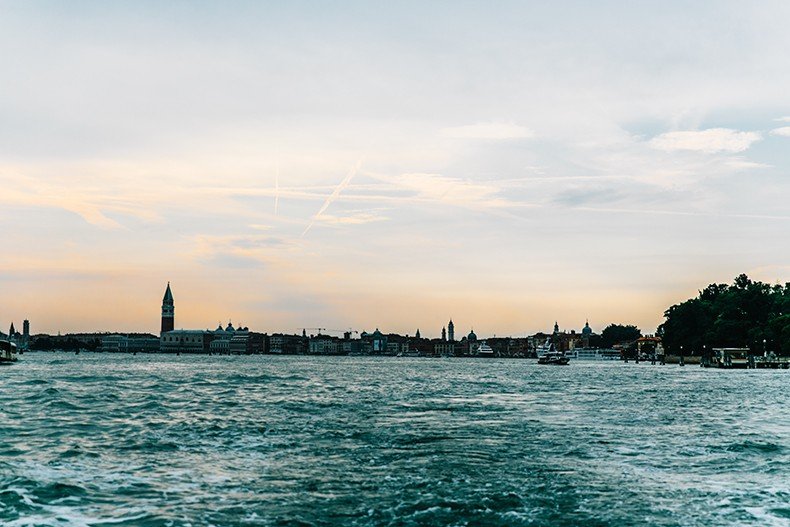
x=168 y=311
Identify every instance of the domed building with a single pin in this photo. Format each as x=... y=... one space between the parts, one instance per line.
x=586 y=334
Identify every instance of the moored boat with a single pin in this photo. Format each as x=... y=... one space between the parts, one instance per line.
x=7 y=352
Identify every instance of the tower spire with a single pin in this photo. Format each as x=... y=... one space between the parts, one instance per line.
x=168 y=311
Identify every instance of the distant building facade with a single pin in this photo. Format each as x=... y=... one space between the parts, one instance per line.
x=125 y=343
x=186 y=341
x=220 y=341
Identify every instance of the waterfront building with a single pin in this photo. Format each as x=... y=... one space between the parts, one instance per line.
x=130 y=343
x=280 y=343
x=221 y=341
x=219 y=346
x=444 y=348
x=223 y=337
x=186 y=341
x=325 y=345
x=352 y=347
x=397 y=344
x=377 y=342
x=565 y=341
x=421 y=346
x=248 y=343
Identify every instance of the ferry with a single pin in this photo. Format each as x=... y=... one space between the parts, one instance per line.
x=485 y=350
x=545 y=348
x=556 y=358
x=7 y=352
x=595 y=354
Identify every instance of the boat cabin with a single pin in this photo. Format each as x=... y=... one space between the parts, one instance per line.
x=7 y=351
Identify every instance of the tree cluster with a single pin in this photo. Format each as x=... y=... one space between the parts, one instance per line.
x=48 y=343
x=746 y=314
x=619 y=334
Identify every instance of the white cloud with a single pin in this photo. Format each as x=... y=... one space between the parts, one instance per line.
x=494 y=131
x=358 y=218
x=710 y=141
x=783 y=131
x=783 y=119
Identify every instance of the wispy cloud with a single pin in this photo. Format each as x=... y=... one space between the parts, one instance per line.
x=784 y=131
x=357 y=218
x=710 y=141
x=490 y=131
x=87 y=202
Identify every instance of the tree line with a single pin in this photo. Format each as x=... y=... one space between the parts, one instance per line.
x=746 y=314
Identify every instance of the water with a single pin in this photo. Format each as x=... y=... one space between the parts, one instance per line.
x=155 y=440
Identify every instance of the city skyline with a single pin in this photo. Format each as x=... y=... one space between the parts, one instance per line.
x=303 y=165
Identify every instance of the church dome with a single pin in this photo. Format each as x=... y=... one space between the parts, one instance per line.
x=472 y=336
x=587 y=330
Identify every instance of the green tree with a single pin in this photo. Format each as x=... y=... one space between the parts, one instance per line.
x=743 y=314
x=616 y=334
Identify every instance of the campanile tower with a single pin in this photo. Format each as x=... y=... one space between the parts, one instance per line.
x=168 y=311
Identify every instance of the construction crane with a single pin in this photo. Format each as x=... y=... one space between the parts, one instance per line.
x=349 y=330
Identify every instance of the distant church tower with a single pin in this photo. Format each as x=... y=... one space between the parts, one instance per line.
x=451 y=331
x=168 y=311
x=444 y=334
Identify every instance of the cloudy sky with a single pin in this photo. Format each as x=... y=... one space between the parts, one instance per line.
x=342 y=164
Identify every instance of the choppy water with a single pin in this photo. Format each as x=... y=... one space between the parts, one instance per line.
x=160 y=440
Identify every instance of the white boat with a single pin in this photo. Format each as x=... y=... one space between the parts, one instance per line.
x=545 y=348
x=593 y=354
x=485 y=350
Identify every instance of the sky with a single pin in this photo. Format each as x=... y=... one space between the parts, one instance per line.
x=392 y=165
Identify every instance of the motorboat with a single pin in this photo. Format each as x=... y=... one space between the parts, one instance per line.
x=556 y=358
x=485 y=350
x=7 y=352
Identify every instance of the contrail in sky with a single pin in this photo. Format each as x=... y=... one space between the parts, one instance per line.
x=335 y=193
x=277 y=190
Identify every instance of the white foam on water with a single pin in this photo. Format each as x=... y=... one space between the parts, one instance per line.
x=58 y=516
x=767 y=519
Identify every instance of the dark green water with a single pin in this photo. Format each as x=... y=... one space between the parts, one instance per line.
x=177 y=441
